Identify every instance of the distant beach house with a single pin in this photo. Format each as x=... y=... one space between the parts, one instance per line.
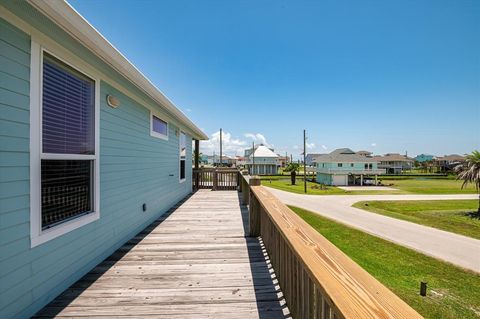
x=345 y=167
x=240 y=161
x=214 y=160
x=394 y=163
x=283 y=160
x=262 y=161
x=364 y=153
x=448 y=162
x=311 y=158
x=91 y=152
x=424 y=158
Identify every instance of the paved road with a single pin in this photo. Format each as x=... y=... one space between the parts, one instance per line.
x=457 y=249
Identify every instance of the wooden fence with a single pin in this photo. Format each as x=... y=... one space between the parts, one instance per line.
x=215 y=178
x=317 y=279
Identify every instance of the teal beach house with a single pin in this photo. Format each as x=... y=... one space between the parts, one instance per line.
x=424 y=158
x=344 y=167
x=90 y=152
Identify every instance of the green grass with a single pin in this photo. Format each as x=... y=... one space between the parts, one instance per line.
x=404 y=186
x=430 y=186
x=452 y=292
x=449 y=215
x=283 y=183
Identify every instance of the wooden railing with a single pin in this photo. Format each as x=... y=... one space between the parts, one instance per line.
x=317 y=279
x=215 y=178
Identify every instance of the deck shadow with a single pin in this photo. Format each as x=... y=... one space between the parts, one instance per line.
x=276 y=296
x=76 y=289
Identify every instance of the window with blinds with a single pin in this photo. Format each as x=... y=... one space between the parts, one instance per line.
x=68 y=109
x=68 y=143
x=159 y=126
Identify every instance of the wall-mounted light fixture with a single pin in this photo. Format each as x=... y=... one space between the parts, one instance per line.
x=113 y=101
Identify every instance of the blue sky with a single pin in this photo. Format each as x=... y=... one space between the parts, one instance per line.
x=386 y=76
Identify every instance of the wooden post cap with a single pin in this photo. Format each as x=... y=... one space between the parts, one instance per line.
x=254 y=181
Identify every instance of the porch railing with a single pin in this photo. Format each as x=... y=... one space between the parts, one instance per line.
x=215 y=178
x=317 y=279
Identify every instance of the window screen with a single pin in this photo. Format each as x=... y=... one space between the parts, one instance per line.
x=66 y=190
x=159 y=126
x=68 y=109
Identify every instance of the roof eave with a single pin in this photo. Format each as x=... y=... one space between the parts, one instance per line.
x=66 y=17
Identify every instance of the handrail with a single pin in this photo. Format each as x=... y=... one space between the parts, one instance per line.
x=317 y=279
x=215 y=178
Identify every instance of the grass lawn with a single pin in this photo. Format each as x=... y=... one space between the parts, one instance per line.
x=430 y=186
x=452 y=292
x=404 y=186
x=283 y=183
x=449 y=215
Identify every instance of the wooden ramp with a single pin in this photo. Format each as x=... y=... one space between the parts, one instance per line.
x=194 y=262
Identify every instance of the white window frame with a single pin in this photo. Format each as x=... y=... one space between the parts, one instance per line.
x=37 y=235
x=181 y=180
x=156 y=134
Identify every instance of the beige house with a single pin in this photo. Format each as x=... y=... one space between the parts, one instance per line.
x=394 y=163
x=448 y=162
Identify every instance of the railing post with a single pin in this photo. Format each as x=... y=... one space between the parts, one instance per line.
x=254 y=209
x=245 y=189
x=197 y=160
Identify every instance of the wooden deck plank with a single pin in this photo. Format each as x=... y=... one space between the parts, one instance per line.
x=195 y=262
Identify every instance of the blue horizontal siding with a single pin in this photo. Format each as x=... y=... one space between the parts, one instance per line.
x=135 y=168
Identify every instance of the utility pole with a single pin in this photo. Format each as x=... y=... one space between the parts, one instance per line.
x=304 y=161
x=220 y=147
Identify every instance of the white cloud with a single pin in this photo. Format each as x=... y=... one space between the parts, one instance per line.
x=324 y=147
x=230 y=146
x=310 y=145
x=373 y=144
x=258 y=138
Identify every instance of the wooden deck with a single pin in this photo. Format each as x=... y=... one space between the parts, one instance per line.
x=194 y=262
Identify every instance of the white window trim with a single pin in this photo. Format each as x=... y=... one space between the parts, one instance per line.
x=156 y=134
x=37 y=235
x=181 y=180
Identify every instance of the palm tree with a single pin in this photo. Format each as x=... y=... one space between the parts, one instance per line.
x=292 y=168
x=469 y=172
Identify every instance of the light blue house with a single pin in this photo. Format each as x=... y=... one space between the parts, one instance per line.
x=90 y=152
x=344 y=167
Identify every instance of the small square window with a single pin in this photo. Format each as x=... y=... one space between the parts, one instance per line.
x=159 y=128
x=340 y=164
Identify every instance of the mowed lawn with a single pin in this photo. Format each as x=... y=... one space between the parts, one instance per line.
x=430 y=186
x=284 y=183
x=453 y=293
x=403 y=186
x=450 y=215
